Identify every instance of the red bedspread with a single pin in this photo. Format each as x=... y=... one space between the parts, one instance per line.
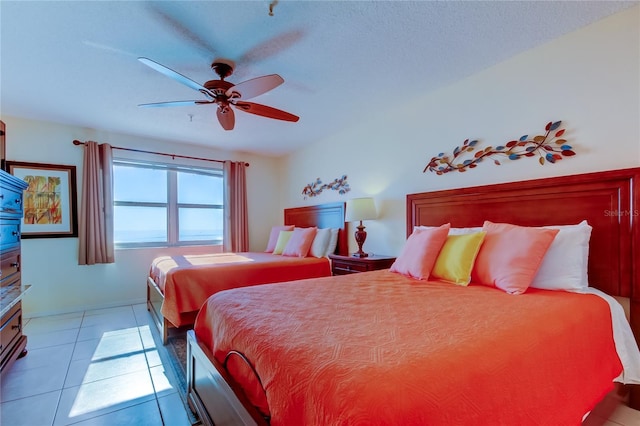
x=379 y=348
x=187 y=281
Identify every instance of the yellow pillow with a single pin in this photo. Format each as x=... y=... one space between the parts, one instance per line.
x=283 y=239
x=456 y=259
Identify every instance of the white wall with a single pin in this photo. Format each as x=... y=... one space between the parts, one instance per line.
x=50 y=265
x=589 y=79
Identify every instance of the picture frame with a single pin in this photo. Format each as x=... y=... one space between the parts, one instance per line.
x=3 y=145
x=50 y=201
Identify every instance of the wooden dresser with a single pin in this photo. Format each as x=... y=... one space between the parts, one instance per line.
x=12 y=342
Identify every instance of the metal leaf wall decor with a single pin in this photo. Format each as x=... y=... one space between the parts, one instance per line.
x=549 y=148
x=315 y=188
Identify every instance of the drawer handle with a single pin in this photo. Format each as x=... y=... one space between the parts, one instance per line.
x=15 y=327
x=18 y=200
x=15 y=265
x=15 y=233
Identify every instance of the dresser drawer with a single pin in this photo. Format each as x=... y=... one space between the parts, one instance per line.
x=10 y=200
x=9 y=266
x=12 y=342
x=9 y=234
x=341 y=268
x=10 y=330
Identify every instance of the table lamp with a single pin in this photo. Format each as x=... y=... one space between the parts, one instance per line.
x=359 y=209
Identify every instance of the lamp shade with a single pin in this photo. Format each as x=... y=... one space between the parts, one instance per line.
x=360 y=209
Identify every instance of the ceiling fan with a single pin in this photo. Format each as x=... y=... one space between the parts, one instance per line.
x=225 y=94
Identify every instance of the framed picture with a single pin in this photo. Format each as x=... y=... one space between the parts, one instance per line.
x=49 y=201
x=3 y=144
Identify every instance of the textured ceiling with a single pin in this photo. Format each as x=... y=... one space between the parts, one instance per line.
x=75 y=62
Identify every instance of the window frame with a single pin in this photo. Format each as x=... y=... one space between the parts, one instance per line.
x=172 y=205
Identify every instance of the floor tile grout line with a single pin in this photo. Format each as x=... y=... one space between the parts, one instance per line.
x=30 y=396
x=75 y=344
x=153 y=384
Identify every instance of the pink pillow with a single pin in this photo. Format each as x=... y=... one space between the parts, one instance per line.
x=510 y=256
x=273 y=237
x=300 y=242
x=420 y=252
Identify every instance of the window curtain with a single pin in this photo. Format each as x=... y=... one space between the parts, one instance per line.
x=236 y=229
x=96 y=211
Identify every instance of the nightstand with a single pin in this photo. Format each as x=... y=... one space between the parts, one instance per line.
x=342 y=265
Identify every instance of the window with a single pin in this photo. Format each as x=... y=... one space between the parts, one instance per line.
x=166 y=205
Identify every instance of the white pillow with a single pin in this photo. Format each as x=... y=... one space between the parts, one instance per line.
x=465 y=231
x=454 y=231
x=333 y=242
x=320 y=242
x=564 y=266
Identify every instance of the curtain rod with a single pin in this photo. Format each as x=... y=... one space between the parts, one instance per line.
x=77 y=142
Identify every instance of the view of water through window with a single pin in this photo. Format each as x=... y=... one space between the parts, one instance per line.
x=167 y=206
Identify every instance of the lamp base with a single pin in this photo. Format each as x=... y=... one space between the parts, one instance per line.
x=363 y=254
x=361 y=236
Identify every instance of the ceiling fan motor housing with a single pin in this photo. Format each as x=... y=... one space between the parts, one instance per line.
x=223 y=68
x=219 y=89
x=218 y=86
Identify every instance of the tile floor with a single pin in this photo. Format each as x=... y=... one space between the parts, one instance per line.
x=99 y=367
x=612 y=412
x=103 y=367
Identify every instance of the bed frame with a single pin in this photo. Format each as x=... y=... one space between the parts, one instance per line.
x=329 y=215
x=609 y=201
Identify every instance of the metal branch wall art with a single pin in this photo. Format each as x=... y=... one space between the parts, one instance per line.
x=315 y=188
x=549 y=147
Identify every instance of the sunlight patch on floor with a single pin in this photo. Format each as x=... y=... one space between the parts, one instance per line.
x=117 y=375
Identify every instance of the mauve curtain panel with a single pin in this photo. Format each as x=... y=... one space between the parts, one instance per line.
x=236 y=228
x=96 y=210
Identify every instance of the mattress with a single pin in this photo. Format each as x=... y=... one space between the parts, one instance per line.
x=380 y=348
x=186 y=281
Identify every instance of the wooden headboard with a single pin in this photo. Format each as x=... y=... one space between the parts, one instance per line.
x=609 y=201
x=329 y=215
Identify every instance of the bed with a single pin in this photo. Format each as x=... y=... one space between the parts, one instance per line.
x=394 y=365
x=178 y=285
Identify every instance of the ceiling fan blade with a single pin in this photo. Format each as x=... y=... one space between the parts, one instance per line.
x=271 y=47
x=175 y=103
x=256 y=86
x=266 y=111
x=107 y=48
x=177 y=19
x=174 y=75
x=226 y=117
x=173 y=18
